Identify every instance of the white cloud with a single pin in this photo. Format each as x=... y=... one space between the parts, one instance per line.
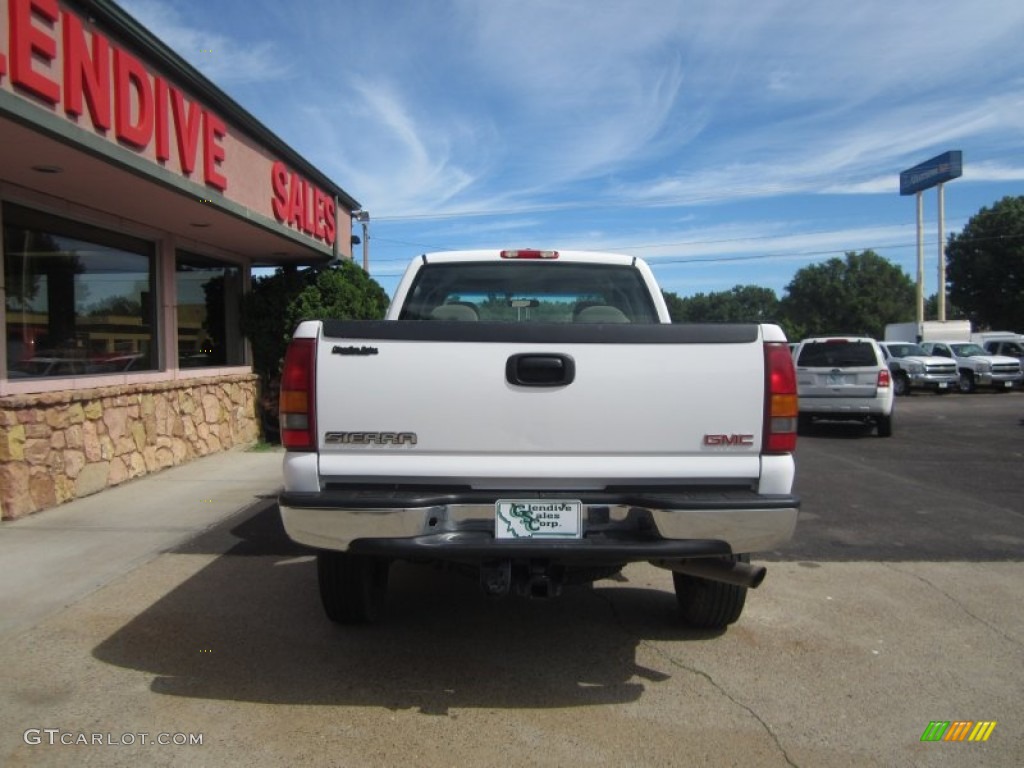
x=223 y=59
x=598 y=123
x=399 y=156
x=992 y=171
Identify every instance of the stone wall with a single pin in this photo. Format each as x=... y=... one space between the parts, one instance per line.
x=59 y=446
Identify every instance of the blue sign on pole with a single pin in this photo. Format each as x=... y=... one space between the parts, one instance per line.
x=948 y=165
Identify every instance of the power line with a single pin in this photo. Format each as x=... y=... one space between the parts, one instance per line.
x=675 y=202
x=713 y=259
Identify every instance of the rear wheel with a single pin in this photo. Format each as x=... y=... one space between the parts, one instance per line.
x=706 y=604
x=352 y=587
x=884 y=424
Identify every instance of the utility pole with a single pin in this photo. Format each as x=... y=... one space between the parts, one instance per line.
x=363 y=217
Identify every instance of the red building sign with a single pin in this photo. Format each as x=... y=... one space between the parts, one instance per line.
x=302 y=205
x=63 y=64
x=94 y=77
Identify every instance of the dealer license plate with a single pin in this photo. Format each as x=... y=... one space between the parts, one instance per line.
x=537 y=519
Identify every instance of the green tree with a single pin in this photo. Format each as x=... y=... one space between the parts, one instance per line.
x=344 y=292
x=859 y=294
x=676 y=307
x=931 y=309
x=279 y=302
x=985 y=266
x=740 y=304
x=263 y=319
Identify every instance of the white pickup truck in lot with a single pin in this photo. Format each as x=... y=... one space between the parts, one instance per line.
x=534 y=418
x=912 y=368
x=976 y=367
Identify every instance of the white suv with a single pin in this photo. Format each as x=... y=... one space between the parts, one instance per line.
x=844 y=377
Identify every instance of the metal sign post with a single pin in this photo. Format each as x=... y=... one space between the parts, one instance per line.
x=920 y=258
x=942 y=253
x=931 y=173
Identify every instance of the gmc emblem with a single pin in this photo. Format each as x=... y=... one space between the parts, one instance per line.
x=728 y=440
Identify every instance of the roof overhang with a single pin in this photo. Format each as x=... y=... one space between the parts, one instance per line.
x=72 y=174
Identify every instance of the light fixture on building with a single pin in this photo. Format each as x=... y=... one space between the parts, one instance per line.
x=363 y=217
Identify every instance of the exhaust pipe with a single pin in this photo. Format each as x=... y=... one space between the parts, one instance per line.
x=733 y=572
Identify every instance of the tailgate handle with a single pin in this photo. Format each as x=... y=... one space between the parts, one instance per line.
x=540 y=370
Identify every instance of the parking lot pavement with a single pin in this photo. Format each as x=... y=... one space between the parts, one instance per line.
x=897 y=605
x=55 y=557
x=835 y=664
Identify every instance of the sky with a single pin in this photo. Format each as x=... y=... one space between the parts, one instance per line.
x=725 y=142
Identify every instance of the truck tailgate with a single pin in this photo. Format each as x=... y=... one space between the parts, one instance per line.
x=440 y=400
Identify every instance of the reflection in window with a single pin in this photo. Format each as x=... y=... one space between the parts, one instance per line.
x=78 y=298
x=209 y=295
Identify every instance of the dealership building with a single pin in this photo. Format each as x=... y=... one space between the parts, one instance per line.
x=136 y=198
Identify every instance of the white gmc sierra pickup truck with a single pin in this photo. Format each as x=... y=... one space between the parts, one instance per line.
x=535 y=418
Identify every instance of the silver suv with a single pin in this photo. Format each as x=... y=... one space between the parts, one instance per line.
x=844 y=377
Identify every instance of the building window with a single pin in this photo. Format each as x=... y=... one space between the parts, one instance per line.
x=78 y=299
x=209 y=299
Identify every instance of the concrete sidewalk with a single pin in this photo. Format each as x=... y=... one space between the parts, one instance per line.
x=54 y=558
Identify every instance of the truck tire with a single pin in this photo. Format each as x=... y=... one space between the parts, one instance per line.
x=967 y=382
x=900 y=385
x=884 y=425
x=352 y=587
x=706 y=604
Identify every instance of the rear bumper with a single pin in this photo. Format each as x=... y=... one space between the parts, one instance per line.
x=615 y=527
x=846 y=406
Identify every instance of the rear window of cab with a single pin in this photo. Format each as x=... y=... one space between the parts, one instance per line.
x=530 y=291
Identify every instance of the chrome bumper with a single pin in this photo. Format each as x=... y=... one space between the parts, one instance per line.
x=613 y=530
x=934 y=380
x=998 y=379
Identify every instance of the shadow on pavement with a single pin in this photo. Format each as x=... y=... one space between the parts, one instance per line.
x=839 y=430
x=249 y=627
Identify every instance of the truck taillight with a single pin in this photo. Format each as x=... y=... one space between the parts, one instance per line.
x=781 y=407
x=529 y=253
x=884 y=379
x=297 y=409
